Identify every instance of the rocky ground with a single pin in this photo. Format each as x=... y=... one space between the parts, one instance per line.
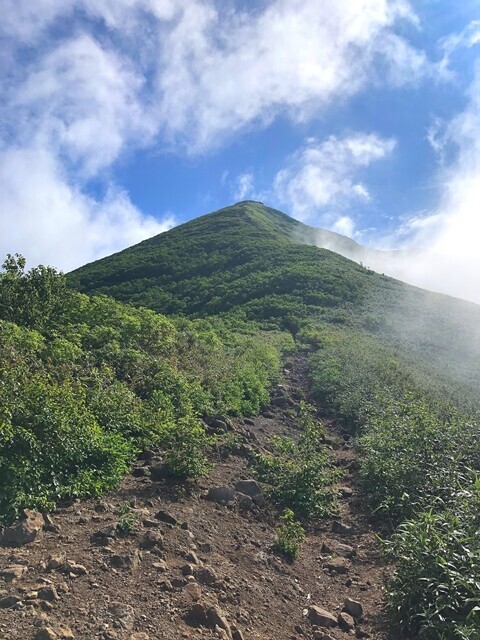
x=156 y=561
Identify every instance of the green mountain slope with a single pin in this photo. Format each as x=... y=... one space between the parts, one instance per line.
x=86 y=382
x=258 y=263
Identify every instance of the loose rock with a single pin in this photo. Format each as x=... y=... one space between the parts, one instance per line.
x=222 y=495
x=354 y=608
x=13 y=572
x=25 y=531
x=165 y=516
x=321 y=617
x=248 y=487
x=341 y=528
x=345 y=621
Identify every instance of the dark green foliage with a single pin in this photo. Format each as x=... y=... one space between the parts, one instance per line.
x=127 y=520
x=290 y=535
x=186 y=445
x=435 y=590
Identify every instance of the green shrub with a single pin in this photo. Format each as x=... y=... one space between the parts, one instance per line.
x=300 y=473
x=127 y=519
x=410 y=458
x=186 y=445
x=435 y=589
x=290 y=535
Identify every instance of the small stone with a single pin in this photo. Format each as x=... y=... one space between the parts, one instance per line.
x=237 y=635
x=151 y=539
x=260 y=500
x=345 y=550
x=48 y=593
x=217 y=424
x=341 y=528
x=76 y=569
x=321 y=617
x=345 y=621
x=248 y=487
x=140 y=472
x=25 y=531
x=55 y=561
x=245 y=503
x=206 y=575
x=13 y=572
x=123 y=614
x=194 y=591
x=338 y=565
x=105 y=535
x=197 y=615
x=187 y=570
x=148 y=523
x=192 y=557
x=126 y=561
x=102 y=507
x=216 y=618
x=221 y=495
x=139 y=636
x=165 y=516
x=165 y=585
x=354 y=608
x=159 y=471
x=46 y=633
x=279 y=401
x=9 y=601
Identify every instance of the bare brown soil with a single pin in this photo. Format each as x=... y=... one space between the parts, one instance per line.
x=128 y=589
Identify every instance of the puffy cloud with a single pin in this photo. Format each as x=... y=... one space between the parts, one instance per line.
x=49 y=220
x=321 y=177
x=223 y=72
x=447 y=257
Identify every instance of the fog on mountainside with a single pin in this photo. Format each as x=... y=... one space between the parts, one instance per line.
x=451 y=275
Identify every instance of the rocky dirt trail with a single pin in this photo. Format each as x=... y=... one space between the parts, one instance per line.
x=199 y=561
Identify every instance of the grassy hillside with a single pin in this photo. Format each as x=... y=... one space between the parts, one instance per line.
x=249 y=261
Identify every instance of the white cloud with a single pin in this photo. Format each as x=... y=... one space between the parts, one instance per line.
x=443 y=245
x=244 y=186
x=222 y=71
x=345 y=226
x=81 y=100
x=321 y=177
x=51 y=221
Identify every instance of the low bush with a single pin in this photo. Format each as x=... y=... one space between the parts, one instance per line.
x=290 y=535
x=300 y=473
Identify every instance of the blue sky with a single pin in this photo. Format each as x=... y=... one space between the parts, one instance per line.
x=122 y=118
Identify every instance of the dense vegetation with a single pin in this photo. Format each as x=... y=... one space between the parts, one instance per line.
x=85 y=382
x=247 y=261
